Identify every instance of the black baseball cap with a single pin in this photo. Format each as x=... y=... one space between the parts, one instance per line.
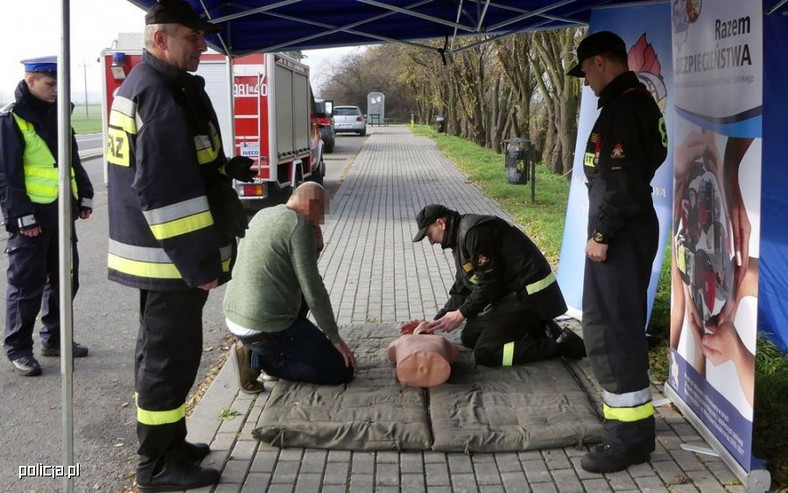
x=178 y=12
x=595 y=44
x=427 y=216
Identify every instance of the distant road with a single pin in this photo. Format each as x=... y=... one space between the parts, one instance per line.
x=89 y=145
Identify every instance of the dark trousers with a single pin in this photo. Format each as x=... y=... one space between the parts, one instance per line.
x=508 y=333
x=33 y=277
x=169 y=347
x=300 y=353
x=614 y=321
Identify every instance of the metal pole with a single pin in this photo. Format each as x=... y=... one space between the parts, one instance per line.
x=85 y=73
x=232 y=151
x=532 y=163
x=64 y=241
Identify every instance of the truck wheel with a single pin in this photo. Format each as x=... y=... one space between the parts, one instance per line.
x=317 y=175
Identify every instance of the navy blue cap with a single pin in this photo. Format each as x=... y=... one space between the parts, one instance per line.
x=178 y=12
x=41 y=65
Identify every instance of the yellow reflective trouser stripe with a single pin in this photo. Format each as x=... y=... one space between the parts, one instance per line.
x=537 y=286
x=181 y=226
x=226 y=265
x=137 y=268
x=508 y=354
x=629 y=414
x=157 y=418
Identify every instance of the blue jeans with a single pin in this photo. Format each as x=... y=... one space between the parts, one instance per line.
x=300 y=353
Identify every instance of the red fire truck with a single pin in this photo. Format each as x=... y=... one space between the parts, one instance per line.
x=273 y=118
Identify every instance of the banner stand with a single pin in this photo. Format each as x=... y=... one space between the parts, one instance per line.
x=756 y=481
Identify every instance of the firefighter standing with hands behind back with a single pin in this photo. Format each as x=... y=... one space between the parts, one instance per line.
x=173 y=221
x=29 y=195
x=626 y=146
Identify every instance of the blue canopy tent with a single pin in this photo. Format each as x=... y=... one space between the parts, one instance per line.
x=269 y=25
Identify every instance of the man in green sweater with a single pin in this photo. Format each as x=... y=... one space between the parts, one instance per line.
x=275 y=270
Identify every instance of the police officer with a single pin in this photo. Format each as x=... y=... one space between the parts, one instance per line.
x=29 y=194
x=626 y=146
x=173 y=221
x=503 y=286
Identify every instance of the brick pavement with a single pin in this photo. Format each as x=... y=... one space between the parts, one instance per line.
x=374 y=273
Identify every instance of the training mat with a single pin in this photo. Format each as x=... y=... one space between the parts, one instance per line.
x=480 y=409
x=525 y=407
x=372 y=412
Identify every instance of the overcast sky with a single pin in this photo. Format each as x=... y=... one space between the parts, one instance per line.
x=31 y=28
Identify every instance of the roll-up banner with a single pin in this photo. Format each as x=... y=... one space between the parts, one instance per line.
x=718 y=91
x=646 y=31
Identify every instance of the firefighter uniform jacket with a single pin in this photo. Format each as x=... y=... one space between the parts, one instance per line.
x=28 y=164
x=493 y=259
x=622 y=154
x=173 y=213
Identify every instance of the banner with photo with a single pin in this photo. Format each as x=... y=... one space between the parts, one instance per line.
x=718 y=95
x=645 y=30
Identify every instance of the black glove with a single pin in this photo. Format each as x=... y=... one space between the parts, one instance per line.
x=239 y=168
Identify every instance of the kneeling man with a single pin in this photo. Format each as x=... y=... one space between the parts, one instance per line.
x=503 y=286
x=275 y=273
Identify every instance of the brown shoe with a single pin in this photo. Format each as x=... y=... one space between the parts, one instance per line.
x=247 y=376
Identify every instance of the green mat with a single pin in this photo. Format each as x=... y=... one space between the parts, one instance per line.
x=480 y=409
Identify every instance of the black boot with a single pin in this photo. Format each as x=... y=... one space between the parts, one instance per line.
x=177 y=474
x=195 y=452
x=570 y=345
x=604 y=459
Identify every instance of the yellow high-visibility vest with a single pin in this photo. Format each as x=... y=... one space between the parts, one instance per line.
x=41 y=175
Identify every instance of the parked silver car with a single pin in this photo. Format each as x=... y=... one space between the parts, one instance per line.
x=349 y=119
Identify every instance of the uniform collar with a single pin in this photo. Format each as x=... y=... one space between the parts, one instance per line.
x=452 y=228
x=28 y=106
x=621 y=83
x=170 y=72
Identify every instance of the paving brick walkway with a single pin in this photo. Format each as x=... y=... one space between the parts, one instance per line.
x=375 y=273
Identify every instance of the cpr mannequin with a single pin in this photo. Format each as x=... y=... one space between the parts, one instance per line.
x=423 y=360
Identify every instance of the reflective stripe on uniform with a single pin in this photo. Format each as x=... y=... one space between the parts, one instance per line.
x=508 y=354
x=588 y=159
x=541 y=284
x=207 y=151
x=629 y=399
x=151 y=262
x=628 y=414
x=149 y=270
x=180 y=218
x=628 y=407
x=157 y=418
x=225 y=253
x=123 y=121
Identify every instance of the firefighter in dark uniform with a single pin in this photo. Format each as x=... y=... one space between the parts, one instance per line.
x=626 y=146
x=503 y=286
x=173 y=221
x=29 y=195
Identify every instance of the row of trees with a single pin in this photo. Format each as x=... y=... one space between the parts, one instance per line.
x=488 y=91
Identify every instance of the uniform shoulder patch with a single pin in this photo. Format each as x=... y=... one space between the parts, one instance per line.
x=467 y=267
x=482 y=260
x=618 y=152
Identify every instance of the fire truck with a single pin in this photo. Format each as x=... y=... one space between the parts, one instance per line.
x=268 y=115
